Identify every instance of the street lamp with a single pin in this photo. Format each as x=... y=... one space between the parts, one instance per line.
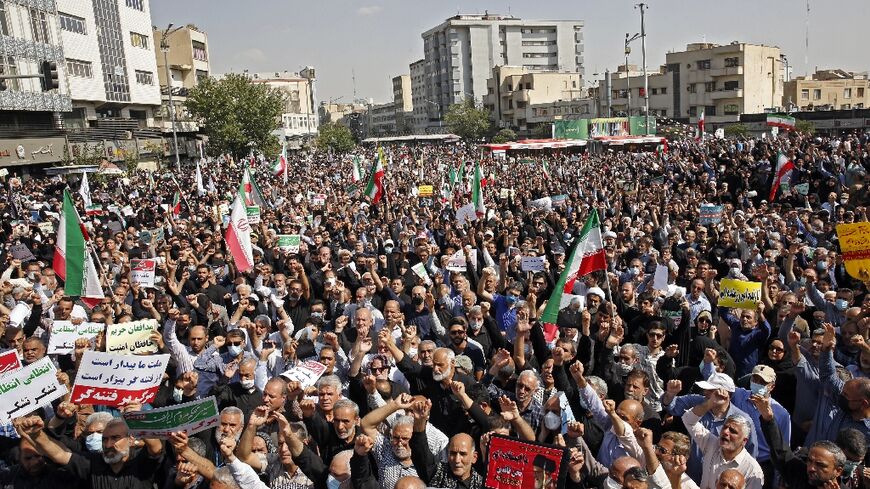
x=628 y=40
x=643 y=7
x=164 y=46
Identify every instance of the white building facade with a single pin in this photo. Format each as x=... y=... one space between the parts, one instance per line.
x=300 y=116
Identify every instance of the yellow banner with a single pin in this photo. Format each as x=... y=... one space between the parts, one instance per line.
x=739 y=294
x=855 y=247
x=425 y=190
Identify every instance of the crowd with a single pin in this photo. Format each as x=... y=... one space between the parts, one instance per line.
x=644 y=385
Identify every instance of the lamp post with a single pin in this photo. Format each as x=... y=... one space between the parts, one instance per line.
x=164 y=46
x=643 y=7
x=627 y=75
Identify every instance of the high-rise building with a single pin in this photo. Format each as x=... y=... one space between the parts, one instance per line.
x=461 y=52
x=419 y=100
x=110 y=63
x=403 y=104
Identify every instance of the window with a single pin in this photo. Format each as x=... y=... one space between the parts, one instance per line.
x=710 y=86
x=537 y=43
x=732 y=85
x=663 y=90
x=655 y=91
x=79 y=68
x=72 y=23
x=136 y=4
x=860 y=93
x=691 y=88
x=732 y=62
x=39 y=25
x=201 y=75
x=9 y=67
x=704 y=64
x=4 y=27
x=805 y=93
x=817 y=94
x=846 y=106
x=144 y=77
x=731 y=109
x=847 y=93
x=693 y=111
x=139 y=40
x=199 y=52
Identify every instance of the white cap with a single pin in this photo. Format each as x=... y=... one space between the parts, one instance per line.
x=717 y=381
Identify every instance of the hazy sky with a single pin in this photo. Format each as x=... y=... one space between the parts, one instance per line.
x=379 y=38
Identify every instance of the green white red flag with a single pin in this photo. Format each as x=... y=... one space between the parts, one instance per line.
x=176 y=204
x=784 y=166
x=238 y=236
x=72 y=262
x=280 y=165
x=779 y=120
x=477 y=192
x=375 y=187
x=250 y=191
x=356 y=176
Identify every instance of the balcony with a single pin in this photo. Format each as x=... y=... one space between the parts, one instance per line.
x=730 y=71
x=723 y=94
x=521 y=96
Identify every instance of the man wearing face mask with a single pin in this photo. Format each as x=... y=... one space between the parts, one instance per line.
x=244 y=393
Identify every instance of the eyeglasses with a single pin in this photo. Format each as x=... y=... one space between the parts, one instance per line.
x=231 y=343
x=776 y=349
x=379 y=369
x=704 y=320
x=663 y=450
x=655 y=335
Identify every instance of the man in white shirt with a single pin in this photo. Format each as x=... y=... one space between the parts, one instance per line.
x=726 y=451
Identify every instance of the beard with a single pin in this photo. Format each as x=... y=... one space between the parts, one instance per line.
x=403 y=453
x=443 y=375
x=117 y=457
x=218 y=436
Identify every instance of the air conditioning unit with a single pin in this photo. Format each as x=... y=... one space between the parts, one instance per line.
x=128 y=134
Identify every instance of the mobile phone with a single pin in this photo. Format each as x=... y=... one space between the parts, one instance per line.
x=267 y=344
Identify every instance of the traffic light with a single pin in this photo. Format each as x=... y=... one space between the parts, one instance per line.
x=49 y=76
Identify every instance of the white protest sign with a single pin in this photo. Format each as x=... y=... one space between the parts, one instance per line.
x=306 y=373
x=532 y=263
x=131 y=338
x=28 y=389
x=466 y=213
x=456 y=263
x=143 y=272
x=64 y=335
x=115 y=380
x=420 y=270
x=660 y=280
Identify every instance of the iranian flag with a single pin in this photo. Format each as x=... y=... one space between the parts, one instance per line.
x=85 y=190
x=71 y=261
x=375 y=187
x=701 y=127
x=587 y=257
x=784 y=166
x=250 y=191
x=546 y=169
x=477 y=192
x=280 y=165
x=356 y=176
x=779 y=120
x=94 y=210
x=92 y=291
x=176 y=204
x=238 y=236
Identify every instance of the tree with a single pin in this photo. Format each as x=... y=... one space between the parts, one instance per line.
x=335 y=137
x=736 y=130
x=235 y=112
x=504 y=136
x=805 y=126
x=467 y=121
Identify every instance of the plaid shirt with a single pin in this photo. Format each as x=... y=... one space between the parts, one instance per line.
x=534 y=413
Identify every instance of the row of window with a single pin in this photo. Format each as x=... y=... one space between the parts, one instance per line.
x=706 y=64
x=712 y=86
x=84 y=69
x=817 y=93
x=539 y=55
x=72 y=23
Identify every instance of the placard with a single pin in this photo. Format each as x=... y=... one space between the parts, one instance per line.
x=710 y=214
x=802 y=188
x=420 y=270
x=532 y=263
x=253 y=212
x=131 y=338
x=457 y=262
x=9 y=362
x=515 y=464
x=306 y=373
x=425 y=190
x=64 y=335
x=143 y=272
x=466 y=213
x=115 y=380
x=190 y=417
x=289 y=242
x=854 y=242
x=318 y=199
x=21 y=252
x=28 y=389
x=739 y=293
x=46 y=228
x=660 y=280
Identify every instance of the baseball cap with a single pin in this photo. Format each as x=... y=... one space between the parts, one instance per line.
x=389 y=243
x=464 y=362
x=705 y=315
x=765 y=372
x=717 y=381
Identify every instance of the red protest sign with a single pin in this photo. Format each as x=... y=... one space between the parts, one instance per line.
x=9 y=361
x=515 y=464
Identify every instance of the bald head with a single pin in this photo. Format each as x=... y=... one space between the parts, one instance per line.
x=731 y=479
x=410 y=482
x=461 y=455
x=631 y=411
x=340 y=465
x=620 y=465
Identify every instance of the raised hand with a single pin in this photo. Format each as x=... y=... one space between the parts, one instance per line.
x=178 y=439
x=644 y=437
x=404 y=401
x=259 y=416
x=609 y=406
x=457 y=388
x=674 y=387
x=29 y=426
x=576 y=429
x=710 y=355
x=228 y=446
x=308 y=407
x=370 y=383
x=762 y=404
x=577 y=371
x=362 y=445
x=672 y=351
x=677 y=467
x=509 y=409
x=575 y=464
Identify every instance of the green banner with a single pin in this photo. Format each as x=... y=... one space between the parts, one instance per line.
x=191 y=417
x=571 y=129
x=289 y=242
x=637 y=122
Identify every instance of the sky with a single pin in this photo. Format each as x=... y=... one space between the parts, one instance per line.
x=377 y=39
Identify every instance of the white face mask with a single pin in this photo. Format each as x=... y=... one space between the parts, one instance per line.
x=552 y=421
x=176 y=395
x=612 y=484
x=247 y=384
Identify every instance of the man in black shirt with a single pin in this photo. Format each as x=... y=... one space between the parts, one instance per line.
x=116 y=467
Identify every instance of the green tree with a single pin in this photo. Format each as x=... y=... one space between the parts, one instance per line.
x=235 y=112
x=467 y=121
x=805 y=126
x=505 y=135
x=335 y=137
x=736 y=130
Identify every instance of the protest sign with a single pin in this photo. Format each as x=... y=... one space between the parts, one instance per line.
x=64 y=335
x=131 y=338
x=46 y=227
x=558 y=200
x=420 y=270
x=289 y=242
x=115 y=380
x=660 y=280
x=143 y=272
x=532 y=263
x=306 y=373
x=9 y=362
x=456 y=263
x=739 y=293
x=518 y=464
x=425 y=190
x=21 y=252
x=253 y=213
x=318 y=199
x=802 y=188
x=28 y=389
x=466 y=213
x=190 y=417
x=710 y=214
x=854 y=242
x=543 y=204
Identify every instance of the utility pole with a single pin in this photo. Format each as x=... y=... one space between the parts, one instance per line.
x=627 y=75
x=642 y=6
x=164 y=46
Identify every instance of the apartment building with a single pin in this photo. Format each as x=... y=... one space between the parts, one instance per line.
x=461 y=52
x=419 y=99
x=513 y=91
x=183 y=53
x=626 y=95
x=827 y=90
x=300 y=117
x=403 y=105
